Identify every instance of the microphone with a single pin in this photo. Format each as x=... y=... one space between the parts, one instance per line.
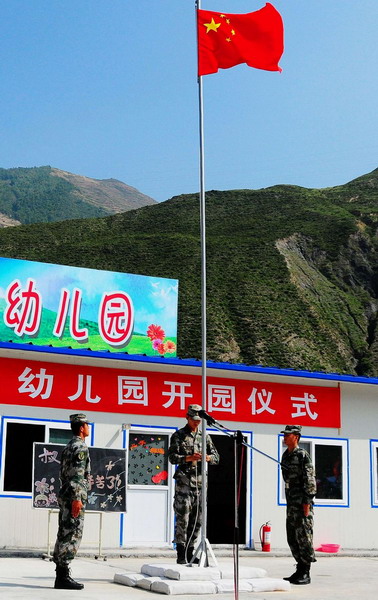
x=203 y=414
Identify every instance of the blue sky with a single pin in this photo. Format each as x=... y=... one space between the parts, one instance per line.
x=109 y=89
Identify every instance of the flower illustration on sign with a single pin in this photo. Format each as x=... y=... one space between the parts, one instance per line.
x=157 y=335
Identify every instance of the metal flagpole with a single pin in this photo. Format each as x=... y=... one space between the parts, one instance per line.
x=204 y=548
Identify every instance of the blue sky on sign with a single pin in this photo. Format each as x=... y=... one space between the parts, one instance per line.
x=154 y=298
x=108 y=89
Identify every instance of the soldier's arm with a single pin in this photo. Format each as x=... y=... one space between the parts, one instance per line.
x=212 y=455
x=284 y=466
x=176 y=454
x=309 y=481
x=78 y=482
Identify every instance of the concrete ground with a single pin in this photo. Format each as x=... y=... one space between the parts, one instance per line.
x=337 y=577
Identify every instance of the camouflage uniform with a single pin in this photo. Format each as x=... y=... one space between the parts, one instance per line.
x=300 y=488
x=187 y=502
x=74 y=470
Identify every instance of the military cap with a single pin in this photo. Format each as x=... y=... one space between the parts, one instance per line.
x=79 y=418
x=292 y=429
x=192 y=412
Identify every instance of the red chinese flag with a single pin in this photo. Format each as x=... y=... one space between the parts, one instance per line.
x=226 y=40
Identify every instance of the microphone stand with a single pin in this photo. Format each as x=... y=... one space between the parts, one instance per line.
x=213 y=423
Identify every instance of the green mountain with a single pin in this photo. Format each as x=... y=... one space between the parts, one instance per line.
x=45 y=194
x=292 y=272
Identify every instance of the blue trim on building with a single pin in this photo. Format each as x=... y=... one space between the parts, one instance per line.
x=92 y=433
x=35 y=419
x=13 y=496
x=1 y=444
x=373 y=446
x=279 y=454
x=348 y=471
x=189 y=362
x=121 y=530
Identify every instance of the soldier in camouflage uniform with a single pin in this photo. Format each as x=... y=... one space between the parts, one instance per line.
x=186 y=451
x=74 y=471
x=300 y=489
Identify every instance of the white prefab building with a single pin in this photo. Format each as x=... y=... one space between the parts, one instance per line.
x=135 y=403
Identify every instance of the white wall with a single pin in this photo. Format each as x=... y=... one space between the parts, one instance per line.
x=354 y=526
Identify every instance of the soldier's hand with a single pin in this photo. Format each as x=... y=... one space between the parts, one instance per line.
x=306 y=509
x=193 y=457
x=76 y=507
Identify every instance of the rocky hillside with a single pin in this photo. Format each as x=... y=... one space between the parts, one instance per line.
x=46 y=194
x=292 y=272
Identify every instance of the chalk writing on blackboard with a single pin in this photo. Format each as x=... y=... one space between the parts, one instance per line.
x=109 y=489
x=106 y=483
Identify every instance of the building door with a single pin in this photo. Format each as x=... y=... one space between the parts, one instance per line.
x=148 y=520
x=221 y=493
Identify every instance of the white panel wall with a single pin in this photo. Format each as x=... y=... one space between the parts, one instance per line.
x=146 y=522
x=353 y=527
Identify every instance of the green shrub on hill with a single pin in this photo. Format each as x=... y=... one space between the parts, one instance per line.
x=292 y=272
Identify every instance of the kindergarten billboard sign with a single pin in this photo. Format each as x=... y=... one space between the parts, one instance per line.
x=56 y=305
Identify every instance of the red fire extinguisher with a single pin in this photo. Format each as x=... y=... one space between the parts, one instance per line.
x=265 y=533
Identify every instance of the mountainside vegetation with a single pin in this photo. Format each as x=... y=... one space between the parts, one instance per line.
x=45 y=194
x=292 y=272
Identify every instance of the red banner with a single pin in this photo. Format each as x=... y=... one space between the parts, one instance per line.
x=83 y=388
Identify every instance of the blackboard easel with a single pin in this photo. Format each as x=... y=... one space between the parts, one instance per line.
x=107 y=484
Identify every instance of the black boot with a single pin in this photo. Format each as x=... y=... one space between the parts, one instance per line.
x=303 y=575
x=293 y=576
x=180 y=549
x=189 y=555
x=63 y=581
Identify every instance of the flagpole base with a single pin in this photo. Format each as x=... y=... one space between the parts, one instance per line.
x=203 y=552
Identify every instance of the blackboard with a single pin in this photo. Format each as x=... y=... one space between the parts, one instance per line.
x=107 y=481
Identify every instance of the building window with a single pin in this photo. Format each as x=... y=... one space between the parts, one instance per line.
x=59 y=436
x=330 y=458
x=374 y=472
x=18 y=437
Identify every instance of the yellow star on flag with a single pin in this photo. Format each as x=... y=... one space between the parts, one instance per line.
x=213 y=26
